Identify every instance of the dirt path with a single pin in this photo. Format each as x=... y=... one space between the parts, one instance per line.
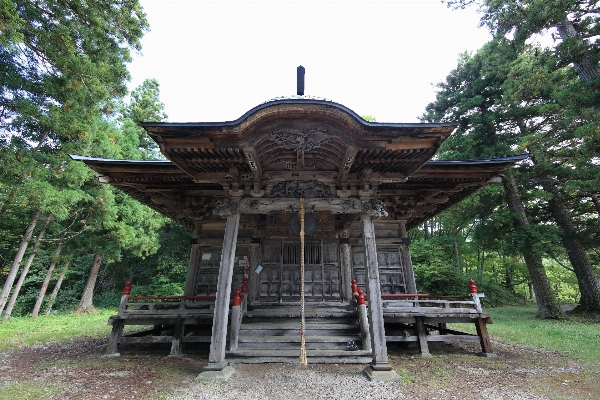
x=76 y=370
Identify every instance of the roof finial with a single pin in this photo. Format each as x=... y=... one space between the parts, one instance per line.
x=300 y=80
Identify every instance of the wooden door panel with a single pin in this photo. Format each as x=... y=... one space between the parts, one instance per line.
x=391 y=270
x=321 y=272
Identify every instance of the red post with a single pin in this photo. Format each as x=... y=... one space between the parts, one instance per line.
x=127 y=289
x=361 y=298
x=472 y=287
x=237 y=298
x=354 y=286
x=245 y=285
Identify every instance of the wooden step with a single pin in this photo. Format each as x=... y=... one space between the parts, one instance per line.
x=291 y=339
x=291 y=342
x=291 y=356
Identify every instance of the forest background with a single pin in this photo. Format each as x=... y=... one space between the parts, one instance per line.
x=69 y=243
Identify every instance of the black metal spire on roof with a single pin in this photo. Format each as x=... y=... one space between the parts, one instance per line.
x=300 y=80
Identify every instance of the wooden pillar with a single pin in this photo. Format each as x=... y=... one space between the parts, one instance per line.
x=191 y=280
x=409 y=272
x=176 y=345
x=253 y=281
x=484 y=338
x=379 y=369
x=113 y=340
x=216 y=358
x=346 y=263
x=422 y=332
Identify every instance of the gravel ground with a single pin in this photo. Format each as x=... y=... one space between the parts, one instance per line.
x=284 y=382
x=77 y=370
x=277 y=381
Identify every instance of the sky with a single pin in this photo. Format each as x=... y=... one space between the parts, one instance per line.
x=215 y=60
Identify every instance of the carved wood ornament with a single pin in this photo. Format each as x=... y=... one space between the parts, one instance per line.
x=225 y=208
x=374 y=208
x=295 y=139
x=298 y=189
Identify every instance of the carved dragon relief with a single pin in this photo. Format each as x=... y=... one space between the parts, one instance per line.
x=296 y=139
x=297 y=189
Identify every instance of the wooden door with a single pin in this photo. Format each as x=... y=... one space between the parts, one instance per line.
x=391 y=269
x=280 y=278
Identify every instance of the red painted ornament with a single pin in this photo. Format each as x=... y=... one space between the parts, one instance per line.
x=472 y=287
x=127 y=289
x=354 y=286
x=237 y=298
x=361 y=298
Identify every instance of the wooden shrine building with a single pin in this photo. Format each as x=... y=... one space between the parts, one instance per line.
x=237 y=185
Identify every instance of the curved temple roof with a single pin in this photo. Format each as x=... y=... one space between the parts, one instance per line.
x=299 y=147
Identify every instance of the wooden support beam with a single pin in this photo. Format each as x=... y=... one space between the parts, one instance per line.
x=346 y=264
x=113 y=341
x=270 y=205
x=216 y=356
x=484 y=338
x=379 y=368
x=378 y=346
x=176 y=347
x=422 y=332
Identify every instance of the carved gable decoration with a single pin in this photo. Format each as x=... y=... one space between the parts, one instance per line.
x=295 y=139
x=297 y=189
x=374 y=208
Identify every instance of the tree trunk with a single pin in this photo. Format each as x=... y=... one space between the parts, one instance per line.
x=17 y=289
x=586 y=67
x=59 y=282
x=589 y=285
x=456 y=254
x=596 y=201
x=14 y=268
x=40 y=299
x=547 y=303
x=509 y=277
x=85 y=304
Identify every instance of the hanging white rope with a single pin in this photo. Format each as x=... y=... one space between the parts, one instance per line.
x=303 y=359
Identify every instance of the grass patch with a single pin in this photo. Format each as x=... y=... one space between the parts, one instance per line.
x=407 y=377
x=30 y=390
x=26 y=330
x=572 y=338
